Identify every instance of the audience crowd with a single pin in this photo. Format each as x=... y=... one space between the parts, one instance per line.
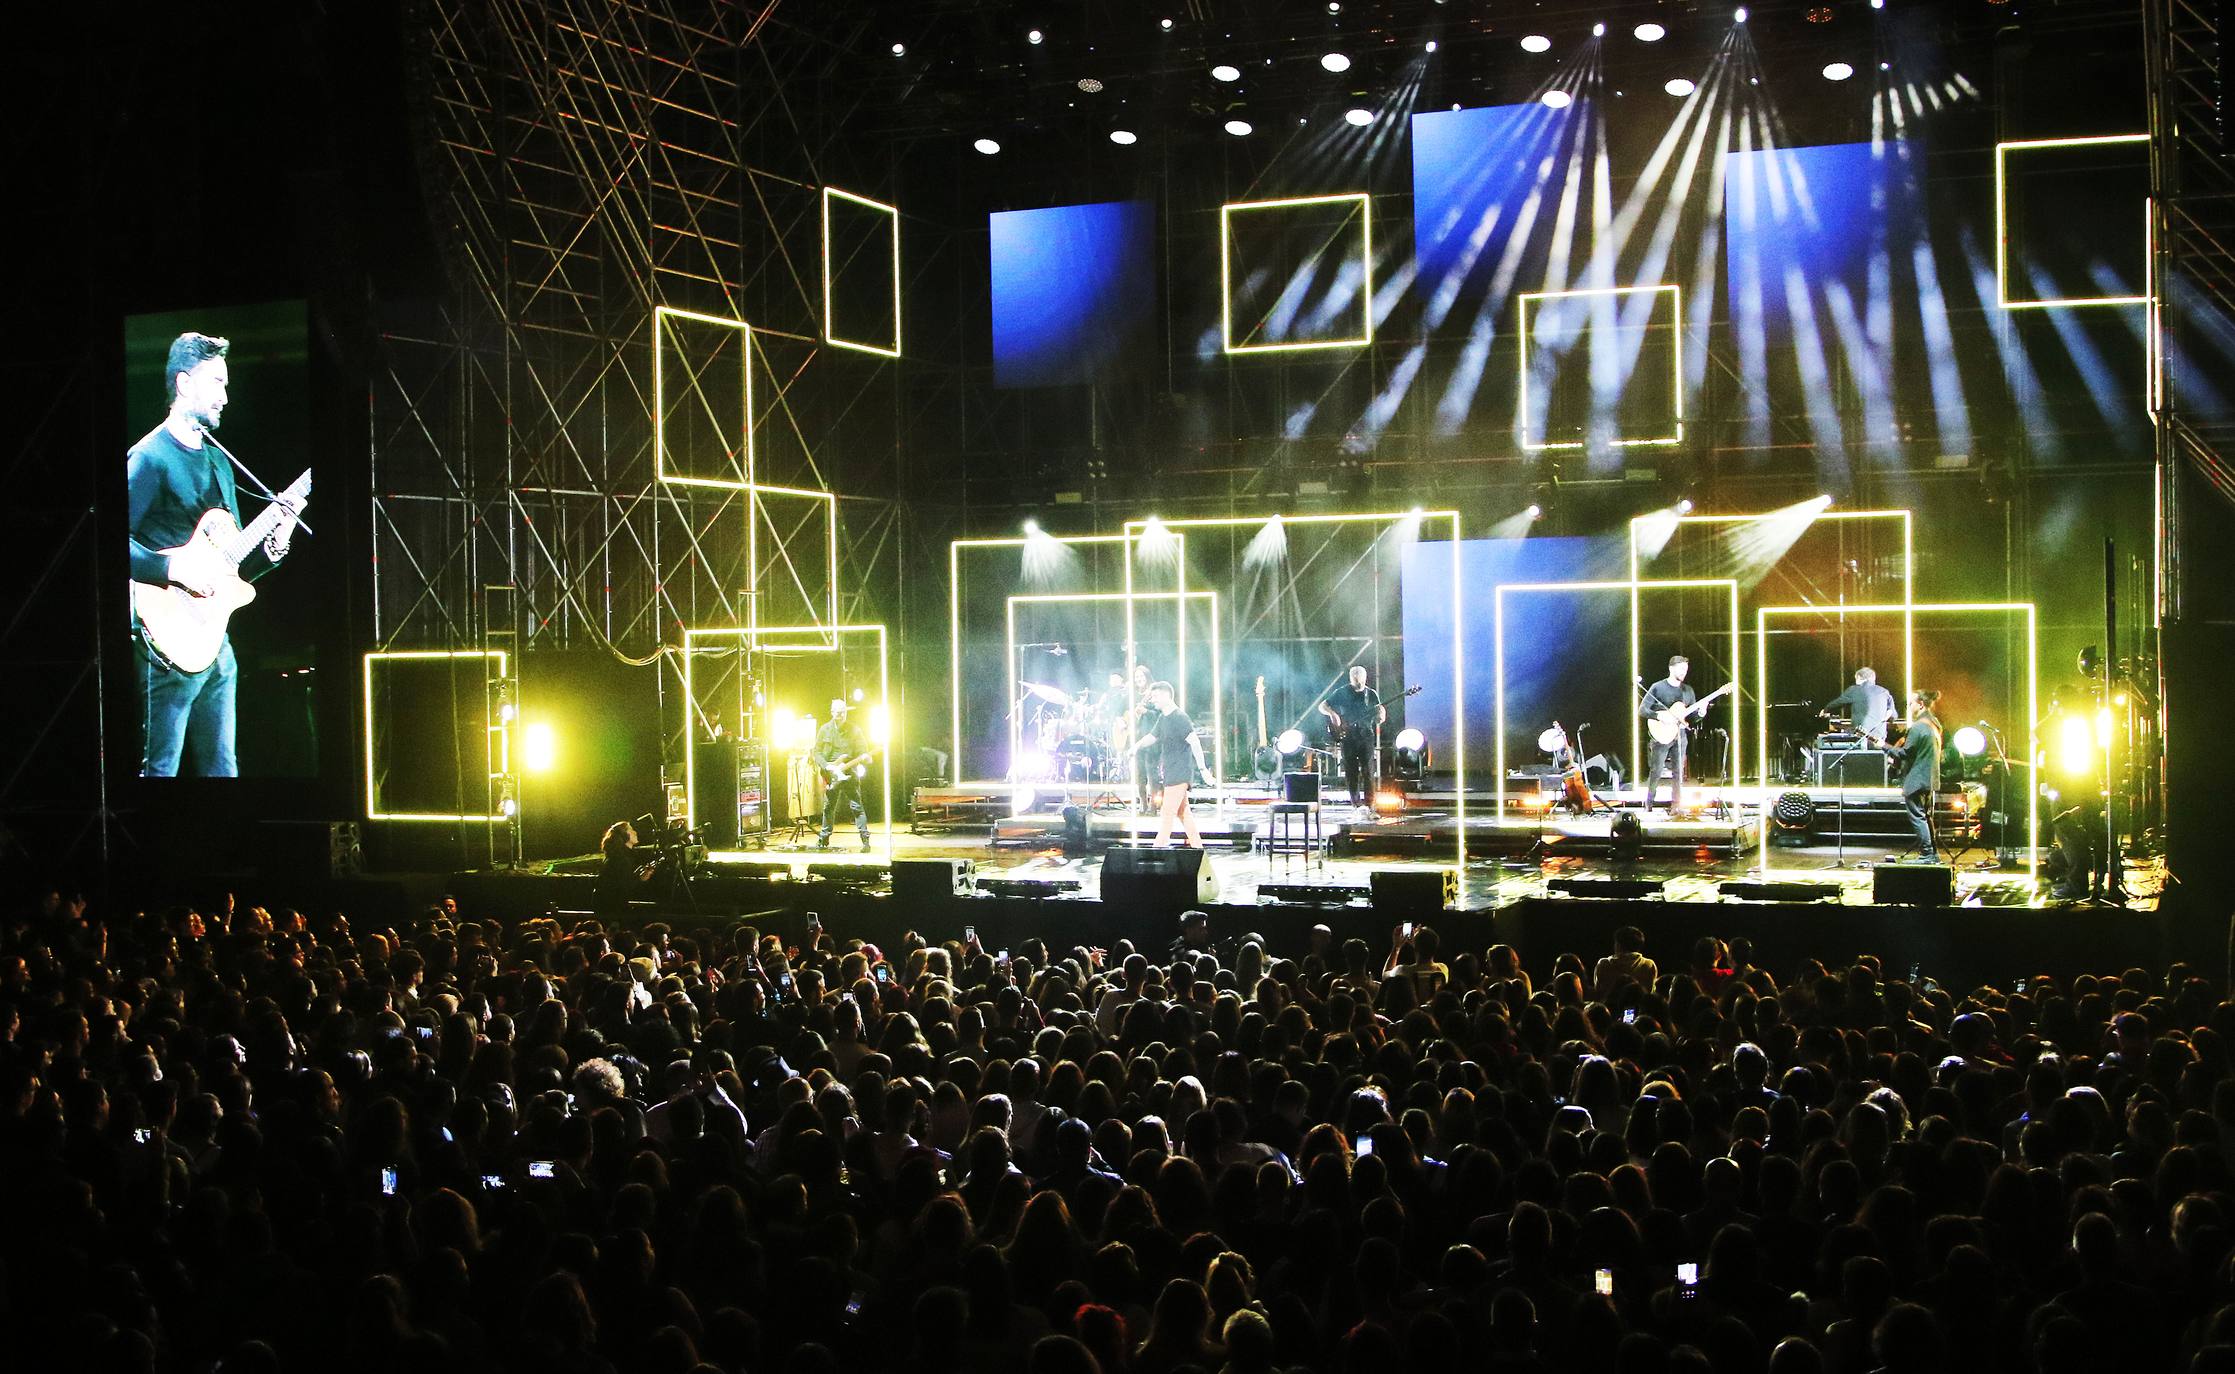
x=251 y=1140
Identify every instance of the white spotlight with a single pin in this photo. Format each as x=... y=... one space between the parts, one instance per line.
x=1598 y=30
x=1431 y=45
x=1290 y=741
x=1165 y=24
x=1335 y=62
x=1226 y=71
x=900 y=50
x=1412 y=739
x=1536 y=512
x=1124 y=138
x=1334 y=6
x=1035 y=37
x=1031 y=527
x=1838 y=71
x=1649 y=33
x=1877 y=4
x=987 y=146
x=1739 y=15
x=1358 y=118
x=1557 y=100
x=1680 y=85
x=1536 y=42
x=1239 y=128
x=1684 y=507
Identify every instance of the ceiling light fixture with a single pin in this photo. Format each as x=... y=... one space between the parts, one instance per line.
x=1649 y=33
x=1124 y=138
x=1536 y=42
x=1239 y=128
x=1165 y=24
x=1431 y=45
x=1838 y=71
x=1557 y=100
x=1226 y=71
x=1680 y=85
x=1335 y=62
x=987 y=146
x=1821 y=14
x=1358 y=118
x=1092 y=85
x=900 y=50
x=1035 y=36
x=1598 y=30
x=1740 y=15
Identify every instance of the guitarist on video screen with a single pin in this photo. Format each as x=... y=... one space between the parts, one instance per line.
x=843 y=752
x=191 y=561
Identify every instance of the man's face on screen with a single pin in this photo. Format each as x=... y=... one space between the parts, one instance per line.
x=201 y=392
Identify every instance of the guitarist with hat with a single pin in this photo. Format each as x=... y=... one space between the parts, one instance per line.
x=182 y=511
x=843 y=752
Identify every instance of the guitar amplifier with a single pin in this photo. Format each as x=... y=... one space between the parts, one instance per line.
x=1863 y=767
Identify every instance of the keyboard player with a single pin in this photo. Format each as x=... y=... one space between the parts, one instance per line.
x=1868 y=705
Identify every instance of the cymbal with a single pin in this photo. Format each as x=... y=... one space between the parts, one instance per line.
x=1553 y=740
x=1042 y=690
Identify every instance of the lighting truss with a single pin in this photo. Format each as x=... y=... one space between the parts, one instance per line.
x=1908 y=523
x=830 y=333
x=1226 y=214
x=1909 y=611
x=1634 y=587
x=1676 y=363
x=795 y=639
x=1132 y=599
x=496 y=745
x=1134 y=530
x=2002 y=153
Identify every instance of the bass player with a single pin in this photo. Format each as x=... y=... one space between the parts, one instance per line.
x=174 y=479
x=842 y=752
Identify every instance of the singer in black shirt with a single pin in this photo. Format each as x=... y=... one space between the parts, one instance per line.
x=1169 y=754
x=1356 y=713
x=1670 y=691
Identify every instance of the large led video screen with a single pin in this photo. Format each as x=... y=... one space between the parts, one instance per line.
x=1072 y=286
x=227 y=584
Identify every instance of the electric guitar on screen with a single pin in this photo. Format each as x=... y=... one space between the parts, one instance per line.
x=838 y=770
x=1668 y=722
x=184 y=630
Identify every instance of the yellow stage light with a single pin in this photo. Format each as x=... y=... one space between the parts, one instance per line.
x=1226 y=271
x=2002 y=153
x=781 y=725
x=830 y=336
x=1676 y=363
x=2075 y=747
x=539 y=747
x=880 y=726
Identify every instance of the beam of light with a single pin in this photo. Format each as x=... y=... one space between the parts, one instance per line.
x=2024 y=382
x=1268 y=548
x=1561 y=339
x=1951 y=412
x=1650 y=532
x=2040 y=301
x=1045 y=559
x=1759 y=545
x=1516 y=525
x=1156 y=543
x=1354 y=284
x=2114 y=404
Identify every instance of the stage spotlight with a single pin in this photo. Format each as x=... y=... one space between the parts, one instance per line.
x=781 y=724
x=2075 y=747
x=1557 y=100
x=508 y=803
x=900 y=50
x=1269 y=546
x=987 y=146
x=1031 y=527
x=1335 y=62
x=1793 y=816
x=1226 y=71
x=2091 y=661
x=1739 y=16
x=1035 y=37
x=1020 y=801
x=1334 y=6
x=880 y=726
x=1358 y=118
x=1680 y=85
x=1838 y=71
x=1431 y=45
x=1032 y=765
x=1409 y=738
x=1598 y=30
x=539 y=747
x=1156 y=541
x=1877 y=4
x=1409 y=759
x=1536 y=42
x=1626 y=838
x=1970 y=741
x=859 y=696
x=1649 y=33
x=1239 y=128
x=1290 y=741
x=1164 y=24
x=1684 y=507
x=1124 y=138
x=1536 y=512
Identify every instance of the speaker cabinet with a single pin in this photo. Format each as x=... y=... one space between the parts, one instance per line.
x=1913 y=885
x=730 y=794
x=1159 y=879
x=932 y=880
x=1299 y=787
x=1851 y=768
x=1414 y=893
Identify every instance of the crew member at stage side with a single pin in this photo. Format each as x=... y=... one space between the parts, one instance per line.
x=1168 y=753
x=842 y=752
x=1669 y=691
x=1355 y=715
x=1918 y=757
x=1868 y=705
x=1137 y=725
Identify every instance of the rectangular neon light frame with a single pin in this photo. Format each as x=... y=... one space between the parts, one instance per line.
x=660 y=315
x=1634 y=588
x=1908 y=588
x=1676 y=365
x=1909 y=611
x=1218 y=667
x=1134 y=529
x=496 y=758
x=2002 y=228
x=830 y=336
x=828 y=635
x=1226 y=271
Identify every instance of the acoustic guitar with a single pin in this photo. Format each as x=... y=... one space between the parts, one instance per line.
x=183 y=630
x=1668 y=722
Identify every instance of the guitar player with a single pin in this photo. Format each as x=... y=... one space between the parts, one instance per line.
x=172 y=477
x=840 y=751
x=1355 y=713
x=1669 y=691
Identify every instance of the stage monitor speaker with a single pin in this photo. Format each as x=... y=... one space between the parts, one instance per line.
x=1414 y=893
x=1913 y=885
x=1299 y=787
x=1851 y=768
x=1158 y=879
x=930 y=880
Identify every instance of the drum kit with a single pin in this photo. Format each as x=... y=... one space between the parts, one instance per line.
x=1065 y=737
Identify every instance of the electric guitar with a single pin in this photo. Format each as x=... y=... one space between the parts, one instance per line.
x=183 y=630
x=1337 y=731
x=1668 y=722
x=838 y=770
x=1264 y=761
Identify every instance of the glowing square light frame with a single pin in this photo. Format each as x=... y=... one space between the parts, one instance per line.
x=1134 y=530
x=830 y=336
x=1908 y=524
x=1132 y=599
x=1226 y=214
x=1635 y=588
x=1908 y=611
x=955 y=550
x=797 y=639
x=497 y=755
x=2002 y=153
x=1676 y=363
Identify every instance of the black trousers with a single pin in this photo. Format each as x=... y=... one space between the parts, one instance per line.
x=848 y=794
x=1919 y=806
x=1657 y=754
x=186 y=719
x=1358 y=766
